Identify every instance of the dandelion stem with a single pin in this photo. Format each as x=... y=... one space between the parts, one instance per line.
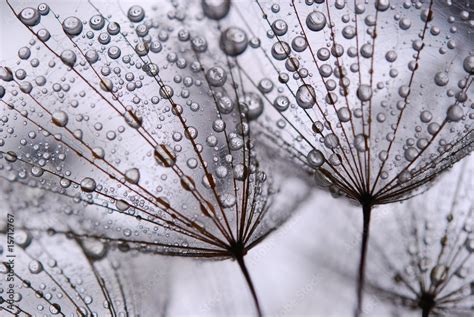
x=243 y=267
x=366 y=210
x=425 y=312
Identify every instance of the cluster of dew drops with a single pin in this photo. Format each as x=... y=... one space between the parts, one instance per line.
x=305 y=96
x=233 y=42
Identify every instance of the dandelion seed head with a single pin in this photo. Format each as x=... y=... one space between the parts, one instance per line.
x=141 y=122
x=389 y=84
x=430 y=266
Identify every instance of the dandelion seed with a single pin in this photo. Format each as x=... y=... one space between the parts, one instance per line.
x=43 y=281
x=144 y=125
x=382 y=89
x=430 y=268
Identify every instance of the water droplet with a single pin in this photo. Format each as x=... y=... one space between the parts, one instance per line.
x=426 y=116
x=233 y=41
x=94 y=249
x=68 y=57
x=35 y=267
x=88 y=185
x=468 y=64
x=299 y=44
x=164 y=155
x=23 y=238
x=216 y=76
x=113 y=28
x=315 y=158
x=54 y=309
x=132 y=175
x=43 y=8
x=24 y=53
x=72 y=26
x=29 y=16
x=43 y=35
x=97 y=22
x=331 y=141
x=344 y=114
x=225 y=105
x=316 y=21
x=439 y=273
x=470 y=245
x=253 y=105
x=281 y=50
x=305 y=96
x=121 y=205
x=6 y=74
x=133 y=119
x=360 y=142
x=281 y=103
x=215 y=9
x=136 y=13
x=187 y=183
x=455 y=113
x=279 y=27
x=60 y=118
x=411 y=153
x=382 y=5
x=441 y=79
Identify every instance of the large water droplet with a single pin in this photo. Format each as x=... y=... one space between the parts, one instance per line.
x=136 y=13
x=316 y=21
x=306 y=96
x=315 y=158
x=455 y=113
x=88 y=185
x=60 y=118
x=234 y=41
x=29 y=16
x=164 y=155
x=72 y=26
x=215 y=9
